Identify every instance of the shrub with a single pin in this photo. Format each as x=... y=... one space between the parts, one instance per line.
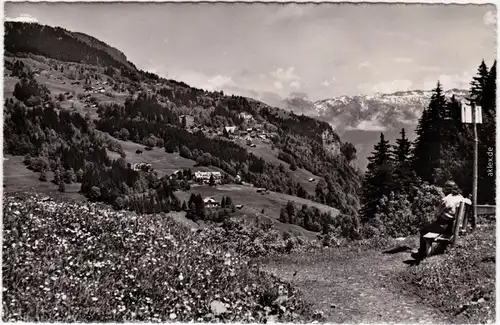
x=43 y=176
x=396 y=215
x=31 y=92
x=69 y=176
x=95 y=193
x=27 y=160
x=424 y=202
x=39 y=164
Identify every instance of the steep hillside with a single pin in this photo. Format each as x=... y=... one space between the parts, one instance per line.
x=61 y=44
x=54 y=85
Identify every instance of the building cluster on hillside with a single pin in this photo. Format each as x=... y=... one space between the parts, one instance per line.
x=248 y=134
x=204 y=177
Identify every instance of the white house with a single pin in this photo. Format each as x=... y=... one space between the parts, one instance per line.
x=204 y=177
x=210 y=202
x=230 y=129
x=246 y=115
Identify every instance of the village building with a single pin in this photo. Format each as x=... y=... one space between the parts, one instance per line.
x=204 y=177
x=210 y=202
x=186 y=120
x=246 y=115
x=230 y=129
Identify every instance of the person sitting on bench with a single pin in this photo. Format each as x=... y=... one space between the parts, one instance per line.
x=445 y=214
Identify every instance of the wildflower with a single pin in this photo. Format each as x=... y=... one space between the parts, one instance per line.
x=172 y=316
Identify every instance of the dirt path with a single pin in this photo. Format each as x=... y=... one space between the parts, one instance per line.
x=354 y=287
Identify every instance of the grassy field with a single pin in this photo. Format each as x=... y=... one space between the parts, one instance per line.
x=16 y=177
x=164 y=163
x=265 y=151
x=254 y=203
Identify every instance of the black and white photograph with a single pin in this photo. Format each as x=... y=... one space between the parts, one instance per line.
x=249 y=162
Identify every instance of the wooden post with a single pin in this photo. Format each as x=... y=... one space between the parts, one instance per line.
x=474 y=172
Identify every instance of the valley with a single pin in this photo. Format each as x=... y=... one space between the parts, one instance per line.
x=134 y=197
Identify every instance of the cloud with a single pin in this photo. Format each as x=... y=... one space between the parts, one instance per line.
x=403 y=60
x=490 y=18
x=219 y=81
x=24 y=18
x=449 y=81
x=368 y=126
x=386 y=86
x=327 y=83
x=278 y=85
x=203 y=81
x=364 y=64
x=295 y=84
x=285 y=75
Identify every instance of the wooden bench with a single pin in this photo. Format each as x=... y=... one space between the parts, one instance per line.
x=443 y=240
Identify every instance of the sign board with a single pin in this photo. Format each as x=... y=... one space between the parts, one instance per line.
x=467 y=114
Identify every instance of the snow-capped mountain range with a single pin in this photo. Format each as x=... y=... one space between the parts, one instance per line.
x=367 y=112
x=360 y=119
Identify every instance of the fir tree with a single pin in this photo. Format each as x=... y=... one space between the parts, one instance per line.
x=427 y=150
x=404 y=176
x=378 y=178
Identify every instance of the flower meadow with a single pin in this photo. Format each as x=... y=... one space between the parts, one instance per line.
x=82 y=262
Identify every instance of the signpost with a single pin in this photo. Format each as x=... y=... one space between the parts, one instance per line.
x=473 y=114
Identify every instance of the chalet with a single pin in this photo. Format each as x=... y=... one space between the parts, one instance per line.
x=239 y=206
x=176 y=174
x=311 y=179
x=261 y=190
x=186 y=120
x=204 y=177
x=210 y=202
x=246 y=115
x=230 y=129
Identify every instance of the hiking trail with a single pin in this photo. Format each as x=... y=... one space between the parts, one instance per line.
x=354 y=287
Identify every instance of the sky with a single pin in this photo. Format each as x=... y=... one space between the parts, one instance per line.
x=271 y=51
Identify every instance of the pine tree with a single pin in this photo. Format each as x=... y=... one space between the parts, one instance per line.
x=404 y=176
x=427 y=150
x=212 y=180
x=378 y=178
